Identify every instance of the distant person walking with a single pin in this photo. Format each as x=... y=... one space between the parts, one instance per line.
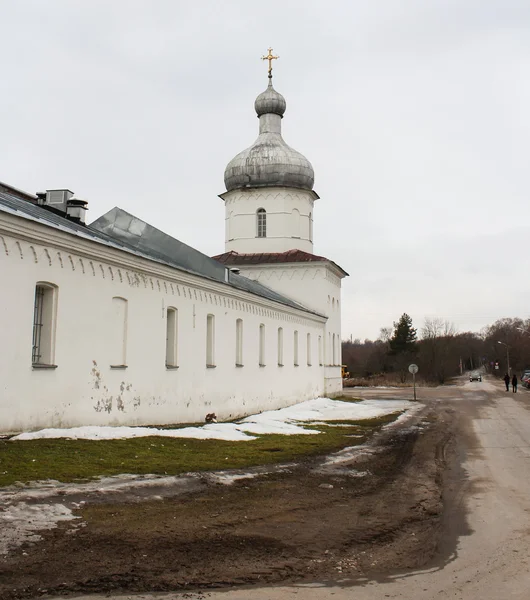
x=507 y=382
x=514 y=384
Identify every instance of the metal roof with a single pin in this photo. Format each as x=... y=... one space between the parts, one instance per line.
x=123 y=231
x=265 y=258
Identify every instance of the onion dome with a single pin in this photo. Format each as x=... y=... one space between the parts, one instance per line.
x=269 y=162
x=270 y=101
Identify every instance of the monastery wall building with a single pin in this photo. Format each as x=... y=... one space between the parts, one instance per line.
x=118 y=323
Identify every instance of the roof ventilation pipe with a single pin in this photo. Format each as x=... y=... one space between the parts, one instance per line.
x=76 y=210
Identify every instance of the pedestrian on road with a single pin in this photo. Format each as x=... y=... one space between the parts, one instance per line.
x=507 y=382
x=514 y=383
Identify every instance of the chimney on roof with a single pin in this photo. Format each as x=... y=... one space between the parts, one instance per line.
x=76 y=210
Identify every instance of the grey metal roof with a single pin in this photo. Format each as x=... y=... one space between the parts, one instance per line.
x=269 y=161
x=124 y=231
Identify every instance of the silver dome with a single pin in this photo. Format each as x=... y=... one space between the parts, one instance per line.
x=269 y=161
x=270 y=101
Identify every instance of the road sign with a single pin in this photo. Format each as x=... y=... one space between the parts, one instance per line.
x=413 y=369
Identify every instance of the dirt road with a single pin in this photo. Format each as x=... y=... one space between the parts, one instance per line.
x=383 y=536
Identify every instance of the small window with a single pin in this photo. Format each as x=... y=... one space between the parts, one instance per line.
x=280 y=346
x=261 y=223
x=210 y=341
x=295 y=221
x=262 y=345
x=44 y=321
x=239 y=343
x=320 y=350
x=171 y=337
x=119 y=337
x=295 y=349
x=308 y=349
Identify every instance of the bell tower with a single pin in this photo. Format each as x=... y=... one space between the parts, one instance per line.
x=269 y=202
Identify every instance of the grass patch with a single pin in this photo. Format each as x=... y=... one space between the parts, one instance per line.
x=345 y=398
x=81 y=460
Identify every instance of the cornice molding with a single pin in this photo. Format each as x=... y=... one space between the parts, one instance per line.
x=143 y=269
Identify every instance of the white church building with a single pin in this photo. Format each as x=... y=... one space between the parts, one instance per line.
x=118 y=323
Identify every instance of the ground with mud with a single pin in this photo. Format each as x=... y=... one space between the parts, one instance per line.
x=373 y=511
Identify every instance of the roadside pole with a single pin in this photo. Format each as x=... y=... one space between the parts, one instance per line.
x=413 y=369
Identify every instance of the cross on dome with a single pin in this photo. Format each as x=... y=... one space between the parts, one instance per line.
x=269 y=162
x=270 y=57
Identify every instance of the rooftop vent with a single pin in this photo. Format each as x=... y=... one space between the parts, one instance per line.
x=58 y=199
x=76 y=210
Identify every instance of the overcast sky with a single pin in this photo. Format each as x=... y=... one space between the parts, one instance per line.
x=414 y=113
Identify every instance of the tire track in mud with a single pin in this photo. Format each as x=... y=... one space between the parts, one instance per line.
x=298 y=525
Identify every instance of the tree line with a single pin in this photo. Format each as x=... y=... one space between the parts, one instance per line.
x=439 y=350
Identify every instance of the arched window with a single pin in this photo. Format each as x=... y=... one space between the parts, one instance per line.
x=261 y=222
x=295 y=221
x=119 y=337
x=44 y=322
x=171 y=337
x=262 y=345
x=210 y=341
x=239 y=343
x=280 y=346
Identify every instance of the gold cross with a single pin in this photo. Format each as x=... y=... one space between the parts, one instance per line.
x=270 y=58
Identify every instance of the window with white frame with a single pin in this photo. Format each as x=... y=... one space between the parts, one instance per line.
x=119 y=335
x=262 y=345
x=171 y=337
x=308 y=349
x=295 y=348
x=210 y=341
x=239 y=343
x=261 y=223
x=44 y=322
x=280 y=346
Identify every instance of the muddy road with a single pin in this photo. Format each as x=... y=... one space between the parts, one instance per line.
x=436 y=507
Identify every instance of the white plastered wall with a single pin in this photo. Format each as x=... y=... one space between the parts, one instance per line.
x=85 y=390
x=289 y=219
x=316 y=285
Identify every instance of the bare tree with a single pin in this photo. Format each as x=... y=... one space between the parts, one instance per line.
x=437 y=349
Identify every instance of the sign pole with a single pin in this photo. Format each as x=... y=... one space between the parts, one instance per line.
x=413 y=369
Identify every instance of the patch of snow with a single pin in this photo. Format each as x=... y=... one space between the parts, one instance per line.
x=19 y=523
x=285 y=421
x=228 y=477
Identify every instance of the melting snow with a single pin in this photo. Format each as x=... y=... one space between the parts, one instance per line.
x=285 y=421
x=20 y=522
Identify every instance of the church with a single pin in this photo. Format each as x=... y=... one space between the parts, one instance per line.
x=118 y=323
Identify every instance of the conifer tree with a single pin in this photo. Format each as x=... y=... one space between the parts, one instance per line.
x=403 y=345
x=404 y=338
